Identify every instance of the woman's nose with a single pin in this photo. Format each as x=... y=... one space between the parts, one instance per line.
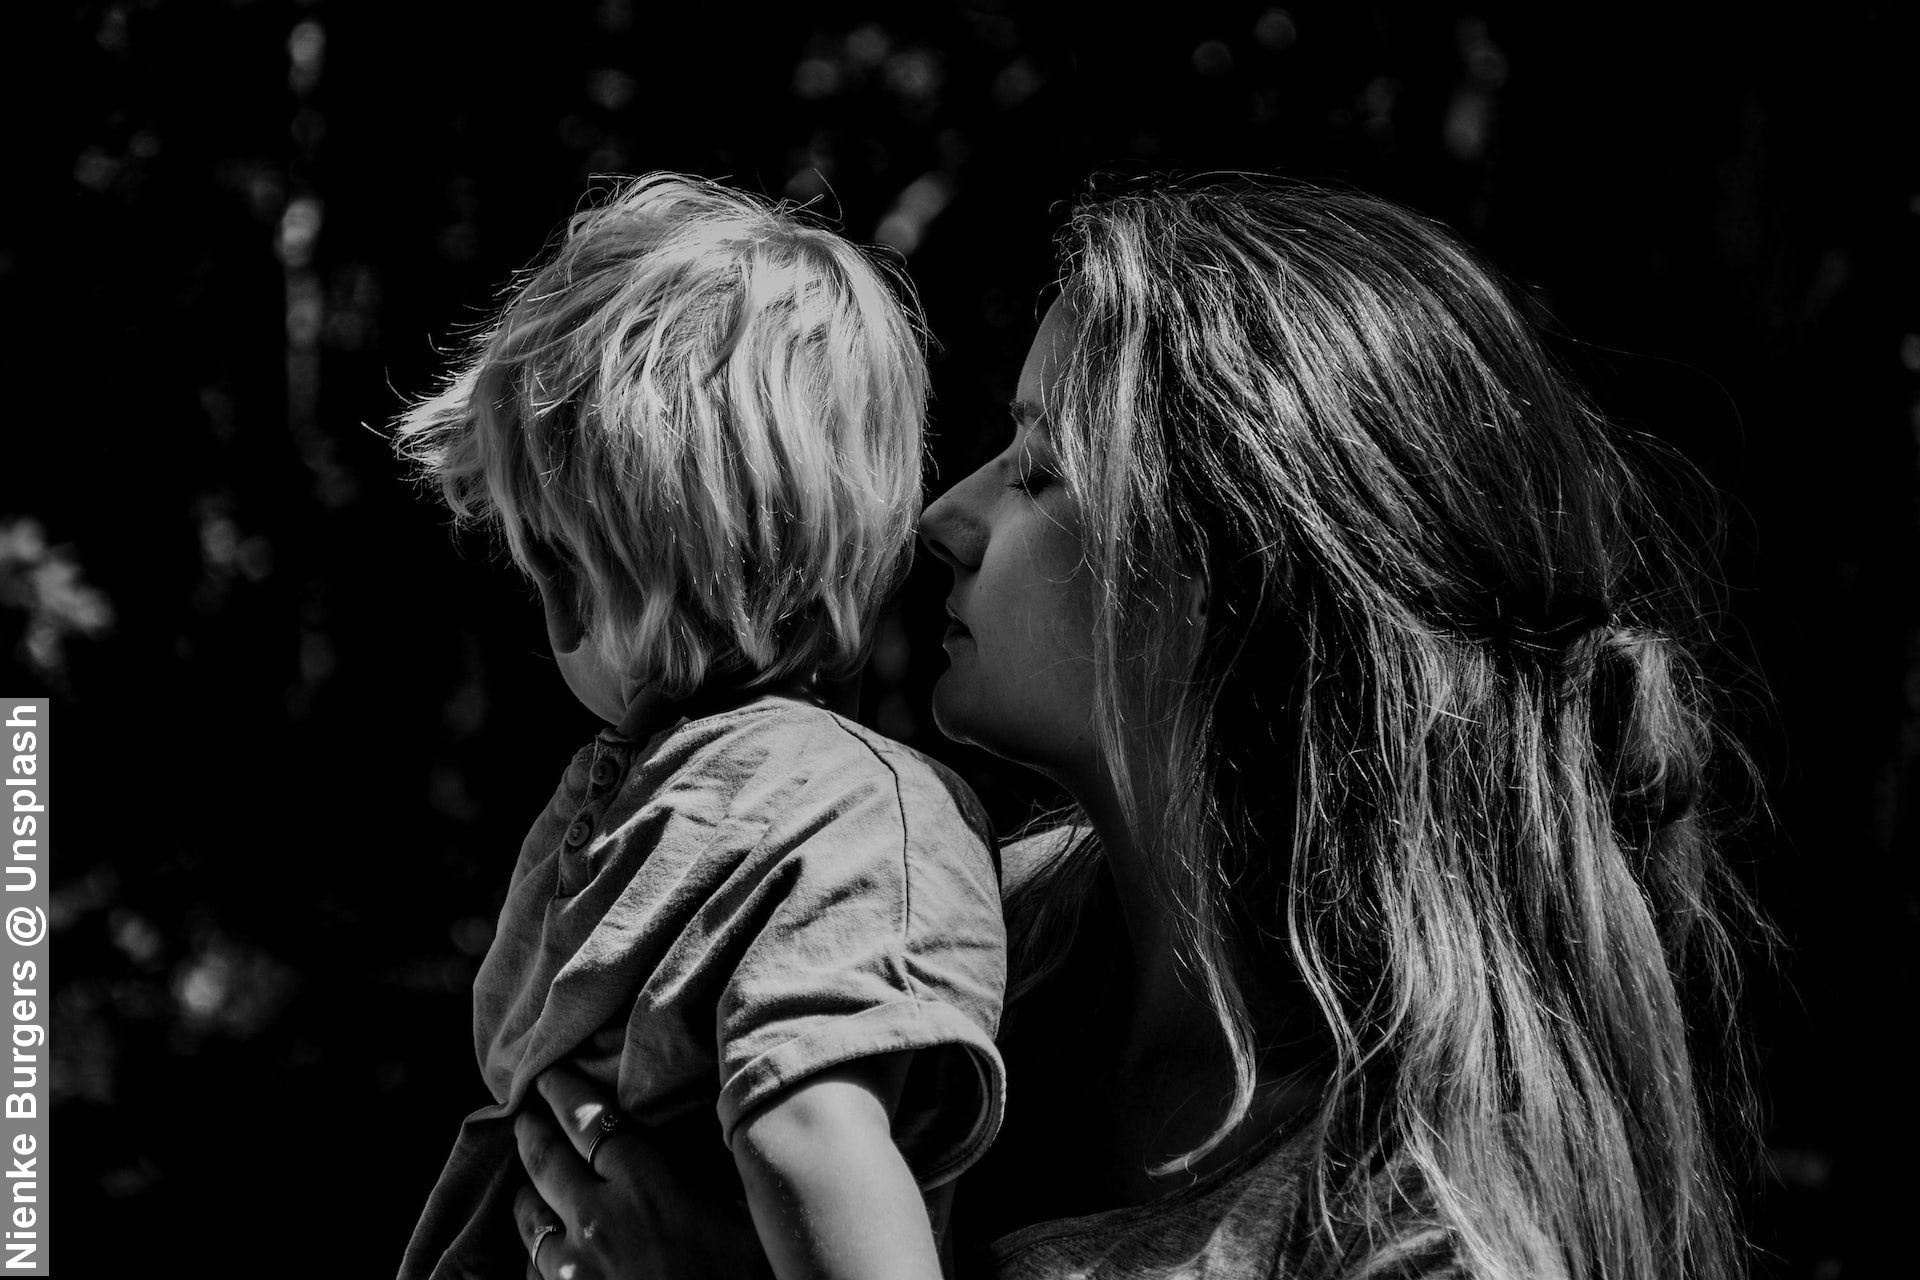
x=950 y=531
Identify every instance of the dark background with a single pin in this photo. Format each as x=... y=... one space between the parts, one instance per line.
x=300 y=730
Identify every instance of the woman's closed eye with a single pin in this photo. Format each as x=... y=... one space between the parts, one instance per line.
x=1033 y=469
x=1034 y=481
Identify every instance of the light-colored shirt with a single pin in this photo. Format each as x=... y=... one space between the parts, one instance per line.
x=703 y=920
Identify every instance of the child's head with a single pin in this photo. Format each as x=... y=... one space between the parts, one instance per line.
x=706 y=414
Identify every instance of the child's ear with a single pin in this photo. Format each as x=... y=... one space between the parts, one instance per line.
x=559 y=596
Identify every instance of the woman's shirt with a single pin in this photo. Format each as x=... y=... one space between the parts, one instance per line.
x=1220 y=1227
x=1245 y=1222
x=1248 y=1218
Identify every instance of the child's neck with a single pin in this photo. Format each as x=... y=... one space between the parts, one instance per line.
x=649 y=710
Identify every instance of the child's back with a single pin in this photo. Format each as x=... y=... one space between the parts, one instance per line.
x=699 y=429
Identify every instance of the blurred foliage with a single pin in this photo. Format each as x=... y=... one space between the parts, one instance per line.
x=300 y=730
x=42 y=588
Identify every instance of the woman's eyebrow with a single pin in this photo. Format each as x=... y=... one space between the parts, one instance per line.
x=1025 y=412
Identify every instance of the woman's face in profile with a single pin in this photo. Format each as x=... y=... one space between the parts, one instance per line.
x=1020 y=676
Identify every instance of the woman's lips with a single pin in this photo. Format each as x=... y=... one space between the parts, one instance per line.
x=956 y=630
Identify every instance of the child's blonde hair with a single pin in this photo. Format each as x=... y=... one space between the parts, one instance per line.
x=711 y=413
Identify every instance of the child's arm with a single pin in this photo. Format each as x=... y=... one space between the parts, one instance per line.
x=830 y=1193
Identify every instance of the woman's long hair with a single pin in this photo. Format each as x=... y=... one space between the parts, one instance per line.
x=1441 y=753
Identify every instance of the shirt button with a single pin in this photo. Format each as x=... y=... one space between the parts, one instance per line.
x=604 y=771
x=577 y=833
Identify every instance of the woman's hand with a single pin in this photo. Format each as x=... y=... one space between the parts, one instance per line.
x=622 y=1214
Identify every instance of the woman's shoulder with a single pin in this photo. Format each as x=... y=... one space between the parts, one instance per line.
x=1233 y=1223
x=1250 y=1219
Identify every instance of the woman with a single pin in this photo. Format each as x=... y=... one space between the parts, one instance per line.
x=1390 y=913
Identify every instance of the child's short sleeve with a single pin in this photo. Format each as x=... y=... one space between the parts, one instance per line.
x=880 y=931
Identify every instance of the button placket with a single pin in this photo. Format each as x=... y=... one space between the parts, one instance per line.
x=576 y=864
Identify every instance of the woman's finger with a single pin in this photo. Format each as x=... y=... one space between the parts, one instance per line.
x=587 y=1113
x=556 y=1168
x=540 y=1232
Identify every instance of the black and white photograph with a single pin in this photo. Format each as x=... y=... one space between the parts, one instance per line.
x=972 y=639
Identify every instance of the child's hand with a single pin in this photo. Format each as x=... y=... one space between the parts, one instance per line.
x=623 y=1215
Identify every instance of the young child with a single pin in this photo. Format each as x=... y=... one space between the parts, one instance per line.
x=698 y=426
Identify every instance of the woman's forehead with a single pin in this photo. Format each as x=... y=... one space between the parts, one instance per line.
x=1045 y=361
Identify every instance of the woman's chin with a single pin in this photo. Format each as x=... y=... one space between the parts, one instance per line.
x=950 y=706
x=962 y=715
x=1000 y=731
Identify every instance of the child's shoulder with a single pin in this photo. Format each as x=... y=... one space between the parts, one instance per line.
x=800 y=738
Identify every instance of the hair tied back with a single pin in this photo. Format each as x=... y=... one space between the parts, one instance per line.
x=1548 y=623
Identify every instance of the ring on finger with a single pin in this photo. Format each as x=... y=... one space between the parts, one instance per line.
x=540 y=1234
x=609 y=1121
